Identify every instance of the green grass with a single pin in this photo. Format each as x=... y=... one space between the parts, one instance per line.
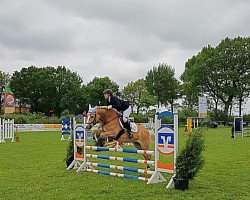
x=34 y=169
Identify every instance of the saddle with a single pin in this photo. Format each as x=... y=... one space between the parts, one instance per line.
x=132 y=125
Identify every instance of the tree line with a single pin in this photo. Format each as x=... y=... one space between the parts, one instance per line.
x=221 y=73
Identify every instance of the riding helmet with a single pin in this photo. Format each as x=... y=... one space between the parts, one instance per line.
x=108 y=91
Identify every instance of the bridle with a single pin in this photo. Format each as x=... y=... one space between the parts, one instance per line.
x=102 y=119
x=93 y=122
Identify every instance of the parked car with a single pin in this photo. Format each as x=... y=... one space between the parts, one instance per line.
x=210 y=124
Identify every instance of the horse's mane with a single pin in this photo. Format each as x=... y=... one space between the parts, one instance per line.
x=106 y=107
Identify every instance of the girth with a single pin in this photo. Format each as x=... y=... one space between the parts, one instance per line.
x=122 y=131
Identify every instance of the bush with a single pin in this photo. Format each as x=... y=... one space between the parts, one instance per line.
x=185 y=113
x=70 y=152
x=65 y=113
x=217 y=116
x=190 y=161
x=140 y=118
x=246 y=117
x=34 y=118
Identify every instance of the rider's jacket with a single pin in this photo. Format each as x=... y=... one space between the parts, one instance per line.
x=118 y=104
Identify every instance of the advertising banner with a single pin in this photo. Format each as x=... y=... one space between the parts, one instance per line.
x=38 y=127
x=202 y=106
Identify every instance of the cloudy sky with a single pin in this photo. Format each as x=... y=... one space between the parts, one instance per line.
x=121 y=39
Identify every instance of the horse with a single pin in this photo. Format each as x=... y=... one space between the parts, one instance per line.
x=111 y=128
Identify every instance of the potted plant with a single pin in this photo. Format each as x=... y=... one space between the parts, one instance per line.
x=189 y=161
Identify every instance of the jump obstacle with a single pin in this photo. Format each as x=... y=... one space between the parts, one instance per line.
x=192 y=123
x=66 y=128
x=7 y=130
x=166 y=143
x=238 y=127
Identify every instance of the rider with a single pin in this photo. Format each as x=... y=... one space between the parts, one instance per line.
x=120 y=105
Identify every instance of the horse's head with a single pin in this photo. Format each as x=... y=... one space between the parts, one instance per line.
x=91 y=117
x=95 y=115
x=100 y=114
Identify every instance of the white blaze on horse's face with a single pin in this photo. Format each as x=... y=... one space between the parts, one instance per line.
x=91 y=115
x=90 y=118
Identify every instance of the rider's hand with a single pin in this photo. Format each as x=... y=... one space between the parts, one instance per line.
x=110 y=106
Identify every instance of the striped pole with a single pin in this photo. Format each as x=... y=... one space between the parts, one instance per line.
x=117 y=174
x=96 y=148
x=148 y=162
x=122 y=168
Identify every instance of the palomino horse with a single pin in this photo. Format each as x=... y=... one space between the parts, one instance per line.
x=109 y=119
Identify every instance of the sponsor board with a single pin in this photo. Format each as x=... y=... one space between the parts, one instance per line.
x=38 y=127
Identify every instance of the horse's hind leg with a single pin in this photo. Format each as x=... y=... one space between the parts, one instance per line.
x=144 y=143
x=139 y=147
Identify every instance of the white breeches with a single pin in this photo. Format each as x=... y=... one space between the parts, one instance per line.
x=126 y=114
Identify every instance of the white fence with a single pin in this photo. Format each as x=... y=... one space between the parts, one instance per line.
x=7 y=130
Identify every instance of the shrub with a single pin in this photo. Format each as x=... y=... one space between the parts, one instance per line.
x=140 y=118
x=190 y=161
x=34 y=118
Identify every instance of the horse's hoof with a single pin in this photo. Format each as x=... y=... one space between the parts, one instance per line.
x=100 y=142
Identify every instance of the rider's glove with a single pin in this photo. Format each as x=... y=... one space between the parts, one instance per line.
x=110 y=106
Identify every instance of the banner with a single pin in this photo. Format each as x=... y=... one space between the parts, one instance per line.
x=38 y=127
x=9 y=97
x=202 y=106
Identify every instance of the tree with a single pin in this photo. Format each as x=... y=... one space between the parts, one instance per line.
x=240 y=54
x=160 y=82
x=95 y=88
x=147 y=100
x=70 y=91
x=189 y=92
x=221 y=72
x=4 y=78
x=134 y=92
x=48 y=89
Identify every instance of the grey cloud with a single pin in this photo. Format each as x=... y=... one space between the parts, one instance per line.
x=119 y=39
x=184 y=22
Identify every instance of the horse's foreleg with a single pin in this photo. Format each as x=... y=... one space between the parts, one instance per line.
x=96 y=137
x=96 y=132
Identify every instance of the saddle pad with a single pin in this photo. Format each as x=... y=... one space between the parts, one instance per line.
x=133 y=126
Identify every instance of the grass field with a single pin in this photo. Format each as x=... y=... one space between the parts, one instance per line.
x=34 y=169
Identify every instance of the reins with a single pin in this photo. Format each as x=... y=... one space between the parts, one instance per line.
x=106 y=122
x=103 y=118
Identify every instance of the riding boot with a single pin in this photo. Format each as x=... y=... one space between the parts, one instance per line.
x=127 y=126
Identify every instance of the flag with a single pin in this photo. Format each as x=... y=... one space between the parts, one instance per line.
x=9 y=97
x=84 y=113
